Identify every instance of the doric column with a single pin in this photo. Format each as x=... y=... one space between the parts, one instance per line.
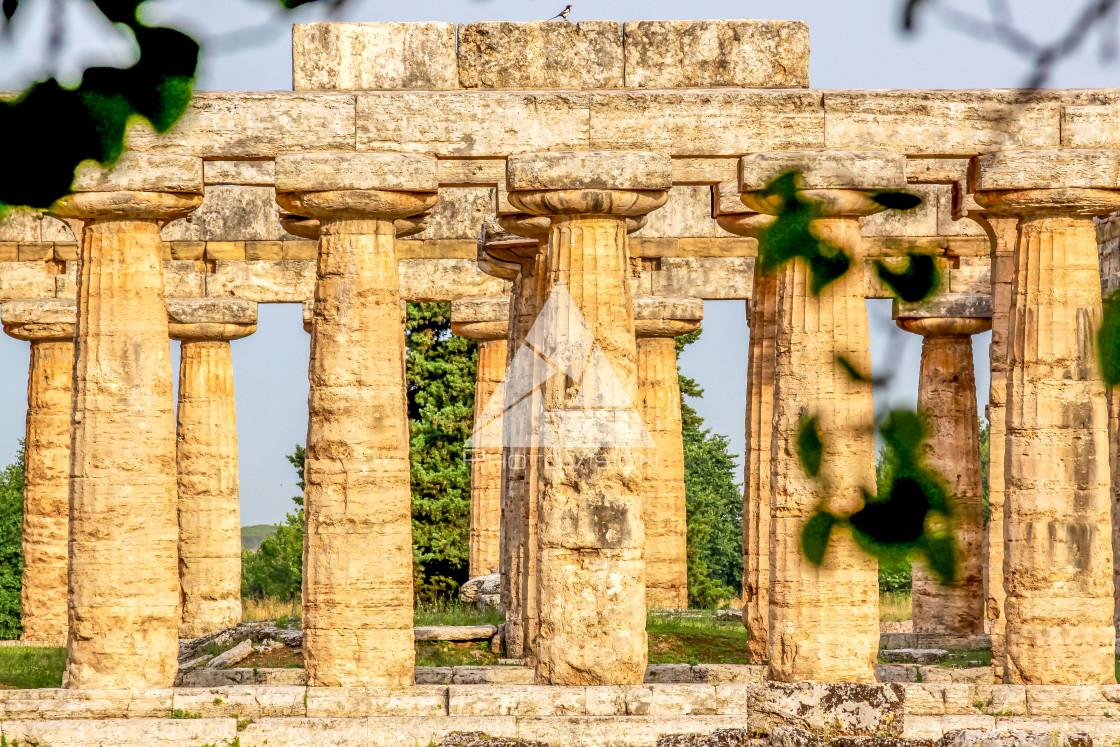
x=206 y=456
x=485 y=319
x=761 y=360
x=824 y=620
x=658 y=321
x=947 y=401
x=510 y=248
x=124 y=607
x=357 y=574
x=590 y=532
x=1058 y=524
x=49 y=326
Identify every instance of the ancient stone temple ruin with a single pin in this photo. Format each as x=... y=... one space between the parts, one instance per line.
x=495 y=165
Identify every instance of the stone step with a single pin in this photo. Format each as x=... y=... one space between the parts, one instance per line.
x=913 y=655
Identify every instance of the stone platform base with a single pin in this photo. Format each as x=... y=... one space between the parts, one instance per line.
x=622 y=716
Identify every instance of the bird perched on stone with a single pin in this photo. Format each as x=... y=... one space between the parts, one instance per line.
x=563 y=14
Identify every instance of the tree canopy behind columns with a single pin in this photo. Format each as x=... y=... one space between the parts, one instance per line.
x=713 y=504
x=440 y=372
x=275 y=569
x=11 y=546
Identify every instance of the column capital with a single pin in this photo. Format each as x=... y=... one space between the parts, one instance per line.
x=508 y=244
x=481 y=318
x=947 y=306
x=941 y=326
x=623 y=183
x=308 y=228
x=840 y=181
x=1081 y=183
x=667 y=316
x=356 y=186
x=40 y=320
x=747 y=224
x=140 y=186
x=210 y=319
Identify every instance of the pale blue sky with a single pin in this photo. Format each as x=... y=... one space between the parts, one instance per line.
x=855 y=44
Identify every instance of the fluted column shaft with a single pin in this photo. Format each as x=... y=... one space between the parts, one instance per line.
x=209 y=511
x=486 y=468
x=947 y=401
x=761 y=365
x=663 y=495
x=46 y=492
x=824 y=620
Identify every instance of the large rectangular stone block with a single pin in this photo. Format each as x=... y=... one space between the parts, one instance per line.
x=446 y=280
x=710 y=278
x=25 y=280
x=1091 y=126
x=536 y=700
x=541 y=55
x=245 y=173
x=940 y=123
x=373 y=56
x=284 y=281
x=847 y=709
x=921 y=221
x=472 y=124
x=458 y=214
x=688 y=213
x=706 y=123
x=708 y=54
x=138 y=732
x=254 y=125
x=231 y=213
x=245 y=702
x=20 y=226
x=419 y=700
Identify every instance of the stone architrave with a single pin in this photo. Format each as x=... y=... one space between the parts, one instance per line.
x=590 y=533
x=485 y=319
x=357 y=574
x=206 y=456
x=124 y=607
x=1058 y=566
x=658 y=322
x=824 y=621
x=947 y=401
x=49 y=326
x=761 y=360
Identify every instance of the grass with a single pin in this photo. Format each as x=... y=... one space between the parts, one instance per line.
x=444 y=612
x=895 y=606
x=269 y=608
x=455 y=654
x=696 y=638
x=23 y=667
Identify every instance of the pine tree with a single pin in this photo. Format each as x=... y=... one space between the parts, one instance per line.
x=713 y=501
x=440 y=371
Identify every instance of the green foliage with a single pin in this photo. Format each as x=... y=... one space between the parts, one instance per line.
x=180 y=713
x=254 y=534
x=713 y=504
x=440 y=371
x=276 y=568
x=894 y=570
x=58 y=128
x=453 y=612
x=11 y=546
x=810 y=447
x=985 y=465
x=26 y=667
x=1108 y=340
x=918 y=281
x=910 y=514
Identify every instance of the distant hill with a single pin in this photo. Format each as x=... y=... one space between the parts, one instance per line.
x=253 y=536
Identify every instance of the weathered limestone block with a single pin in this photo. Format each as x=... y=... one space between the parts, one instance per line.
x=49 y=327
x=823 y=708
x=485 y=319
x=823 y=619
x=1058 y=530
x=206 y=459
x=373 y=56
x=357 y=604
x=21 y=226
x=709 y=54
x=687 y=213
x=124 y=604
x=706 y=123
x=457 y=215
x=709 y=278
x=132 y=732
x=254 y=125
x=941 y=123
x=761 y=361
x=541 y=55
x=25 y=280
x=658 y=321
x=947 y=400
x=242 y=173
x=231 y=213
x=474 y=124
x=921 y=221
x=590 y=530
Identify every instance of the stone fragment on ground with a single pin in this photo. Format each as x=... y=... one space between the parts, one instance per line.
x=482 y=591
x=913 y=655
x=227 y=659
x=454 y=632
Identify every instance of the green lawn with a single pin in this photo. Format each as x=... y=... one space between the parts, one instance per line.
x=23 y=667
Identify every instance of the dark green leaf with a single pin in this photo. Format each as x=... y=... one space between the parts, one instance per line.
x=815 y=534
x=917 y=282
x=827 y=263
x=910 y=14
x=1108 y=340
x=941 y=558
x=810 y=446
x=896 y=199
x=850 y=368
x=903 y=432
x=9 y=8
